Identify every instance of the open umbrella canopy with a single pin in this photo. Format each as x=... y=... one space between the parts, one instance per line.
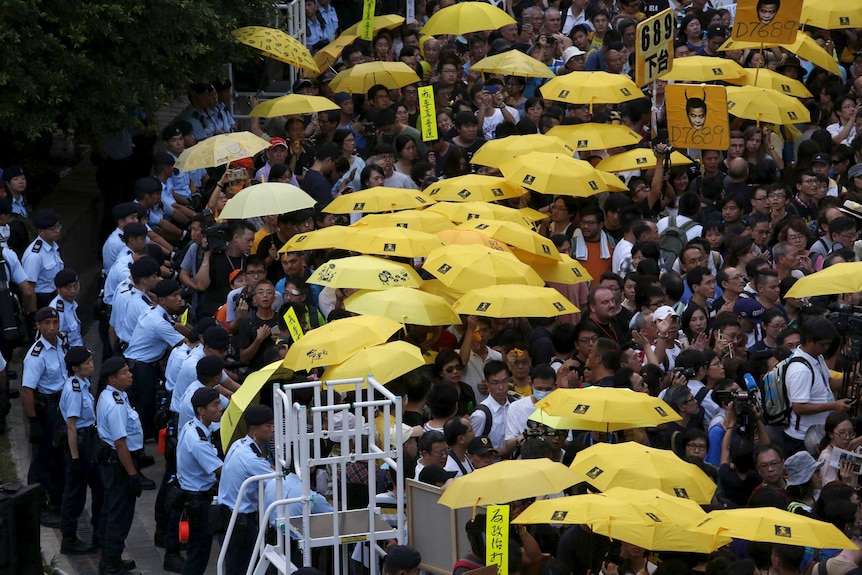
x=471 y=237
x=507 y=481
x=330 y=53
x=516 y=236
x=232 y=424
x=591 y=88
x=836 y=279
x=360 y=78
x=591 y=136
x=567 y=271
x=438 y=288
x=383 y=22
x=292 y=104
x=558 y=174
x=420 y=220
x=704 y=69
x=471 y=267
x=765 y=78
x=463 y=211
x=639 y=159
x=606 y=408
x=805 y=47
x=831 y=14
x=398 y=242
x=323 y=239
x=466 y=17
x=765 y=105
x=503 y=301
x=473 y=188
x=513 y=63
x=278 y=45
x=266 y=199
x=495 y=153
x=630 y=464
x=336 y=341
x=378 y=199
x=365 y=272
x=406 y=305
x=777 y=526
x=220 y=150
x=385 y=362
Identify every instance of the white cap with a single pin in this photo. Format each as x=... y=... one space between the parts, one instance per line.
x=663 y=312
x=571 y=52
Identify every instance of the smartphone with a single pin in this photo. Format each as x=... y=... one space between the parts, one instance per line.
x=236 y=174
x=492 y=89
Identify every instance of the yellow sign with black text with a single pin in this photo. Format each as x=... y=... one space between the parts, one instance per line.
x=654 y=47
x=367 y=26
x=768 y=21
x=697 y=116
x=427 y=114
x=497 y=538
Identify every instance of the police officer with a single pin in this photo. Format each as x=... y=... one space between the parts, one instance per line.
x=78 y=409
x=244 y=459
x=209 y=374
x=131 y=304
x=11 y=272
x=215 y=343
x=135 y=237
x=123 y=214
x=68 y=287
x=42 y=259
x=154 y=335
x=198 y=466
x=44 y=375
x=120 y=430
x=180 y=353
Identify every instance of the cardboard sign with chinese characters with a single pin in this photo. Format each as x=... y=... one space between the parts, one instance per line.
x=427 y=114
x=497 y=538
x=654 y=47
x=697 y=116
x=768 y=21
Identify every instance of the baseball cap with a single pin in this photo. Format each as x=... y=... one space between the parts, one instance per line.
x=480 y=446
x=749 y=308
x=821 y=158
x=274 y=142
x=664 y=312
x=434 y=475
x=402 y=558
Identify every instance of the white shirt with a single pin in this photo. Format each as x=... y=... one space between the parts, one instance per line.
x=452 y=465
x=474 y=371
x=801 y=389
x=835 y=129
x=570 y=21
x=622 y=252
x=519 y=412
x=499 y=416
x=491 y=122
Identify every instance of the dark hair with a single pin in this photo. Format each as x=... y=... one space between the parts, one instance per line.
x=453 y=429
x=685 y=319
x=817 y=328
x=563 y=338
x=494 y=367
x=428 y=439
x=442 y=400
x=443 y=357
x=365 y=174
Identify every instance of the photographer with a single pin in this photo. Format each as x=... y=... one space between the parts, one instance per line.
x=259 y=331
x=241 y=300
x=733 y=402
x=225 y=259
x=692 y=365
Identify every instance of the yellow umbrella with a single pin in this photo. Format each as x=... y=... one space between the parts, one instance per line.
x=606 y=408
x=513 y=63
x=765 y=105
x=360 y=78
x=463 y=211
x=438 y=288
x=220 y=150
x=532 y=215
x=494 y=153
x=292 y=104
x=630 y=464
x=424 y=221
x=587 y=509
x=399 y=242
x=471 y=237
x=322 y=239
x=831 y=14
x=836 y=279
x=509 y=480
x=556 y=174
x=704 y=69
x=591 y=88
x=514 y=235
x=639 y=159
x=503 y=301
x=590 y=136
x=384 y=22
x=406 y=305
x=336 y=341
x=329 y=54
x=470 y=267
x=776 y=526
x=278 y=45
x=805 y=47
x=568 y=271
x=466 y=17
x=473 y=188
x=364 y=272
x=232 y=424
x=266 y=199
x=378 y=199
x=385 y=362
x=765 y=78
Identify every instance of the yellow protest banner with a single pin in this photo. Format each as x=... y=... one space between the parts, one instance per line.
x=697 y=116
x=184 y=317
x=427 y=113
x=767 y=21
x=293 y=325
x=654 y=47
x=497 y=538
x=367 y=26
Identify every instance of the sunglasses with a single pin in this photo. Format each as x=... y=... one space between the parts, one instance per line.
x=451 y=368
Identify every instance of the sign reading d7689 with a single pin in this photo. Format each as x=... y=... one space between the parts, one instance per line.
x=654 y=47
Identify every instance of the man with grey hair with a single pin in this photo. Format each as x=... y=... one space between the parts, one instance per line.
x=786 y=258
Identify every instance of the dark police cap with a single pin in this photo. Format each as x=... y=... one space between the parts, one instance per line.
x=65 y=277
x=184 y=127
x=155 y=252
x=77 y=355
x=216 y=338
x=5 y=207
x=402 y=558
x=171 y=131
x=258 y=415
x=163 y=159
x=44 y=219
x=148 y=184
x=46 y=313
x=113 y=365
x=202 y=326
x=209 y=366
x=144 y=267
x=134 y=230
x=124 y=210
x=203 y=397
x=166 y=288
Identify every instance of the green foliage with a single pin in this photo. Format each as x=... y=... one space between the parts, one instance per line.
x=95 y=65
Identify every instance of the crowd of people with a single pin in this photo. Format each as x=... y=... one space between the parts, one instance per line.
x=691 y=269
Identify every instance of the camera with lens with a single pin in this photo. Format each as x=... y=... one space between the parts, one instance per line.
x=687 y=372
x=217 y=238
x=742 y=402
x=369 y=130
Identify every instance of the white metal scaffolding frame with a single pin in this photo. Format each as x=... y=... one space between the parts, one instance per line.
x=300 y=433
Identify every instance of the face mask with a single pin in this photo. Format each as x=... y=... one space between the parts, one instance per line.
x=539 y=395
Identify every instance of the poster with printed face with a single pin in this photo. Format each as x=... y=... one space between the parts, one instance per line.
x=697 y=116
x=767 y=21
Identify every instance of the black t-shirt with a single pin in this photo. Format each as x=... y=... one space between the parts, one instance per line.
x=582 y=550
x=318 y=187
x=247 y=334
x=221 y=265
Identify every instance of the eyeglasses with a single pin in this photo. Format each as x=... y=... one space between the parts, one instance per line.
x=777 y=196
x=690 y=399
x=696 y=446
x=739 y=277
x=770 y=464
x=452 y=368
x=845 y=434
x=592 y=339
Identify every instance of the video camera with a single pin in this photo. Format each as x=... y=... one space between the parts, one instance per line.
x=743 y=403
x=217 y=238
